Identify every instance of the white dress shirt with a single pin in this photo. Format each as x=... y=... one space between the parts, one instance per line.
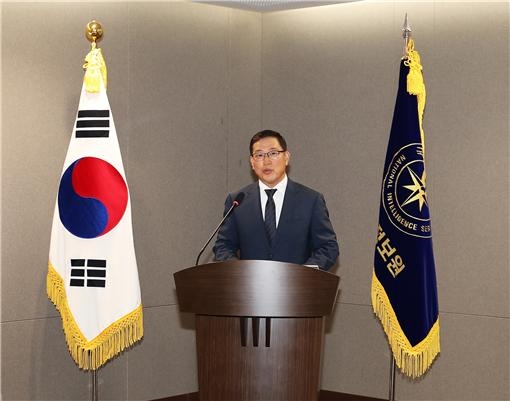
x=278 y=197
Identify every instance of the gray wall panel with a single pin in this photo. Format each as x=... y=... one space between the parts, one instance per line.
x=356 y=355
x=178 y=96
x=245 y=101
x=468 y=152
x=473 y=365
x=165 y=362
x=36 y=364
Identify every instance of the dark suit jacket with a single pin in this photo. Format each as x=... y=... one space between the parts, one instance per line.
x=304 y=234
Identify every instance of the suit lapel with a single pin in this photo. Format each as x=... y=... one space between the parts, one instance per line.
x=252 y=212
x=289 y=205
x=256 y=219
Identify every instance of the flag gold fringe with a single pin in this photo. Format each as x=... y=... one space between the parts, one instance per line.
x=412 y=361
x=95 y=70
x=91 y=355
x=415 y=83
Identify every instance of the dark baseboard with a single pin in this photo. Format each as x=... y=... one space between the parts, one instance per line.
x=324 y=395
x=182 y=397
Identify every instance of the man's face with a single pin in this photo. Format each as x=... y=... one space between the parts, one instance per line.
x=270 y=171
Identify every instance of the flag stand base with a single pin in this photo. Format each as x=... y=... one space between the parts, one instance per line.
x=391 y=396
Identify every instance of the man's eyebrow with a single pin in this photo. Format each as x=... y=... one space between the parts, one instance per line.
x=261 y=150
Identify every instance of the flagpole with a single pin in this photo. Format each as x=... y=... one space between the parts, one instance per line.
x=406 y=34
x=94 y=33
x=95 y=392
x=391 y=395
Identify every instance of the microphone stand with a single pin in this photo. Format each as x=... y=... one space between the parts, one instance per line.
x=234 y=204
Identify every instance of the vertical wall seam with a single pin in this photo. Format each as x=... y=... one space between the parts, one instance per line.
x=228 y=123
x=261 y=72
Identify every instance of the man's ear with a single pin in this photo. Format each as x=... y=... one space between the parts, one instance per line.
x=287 y=157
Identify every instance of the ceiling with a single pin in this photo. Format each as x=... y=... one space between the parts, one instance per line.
x=270 y=5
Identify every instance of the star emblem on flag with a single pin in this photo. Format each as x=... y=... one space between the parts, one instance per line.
x=417 y=189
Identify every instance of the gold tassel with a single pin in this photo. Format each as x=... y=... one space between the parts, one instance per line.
x=91 y=355
x=415 y=84
x=95 y=70
x=412 y=361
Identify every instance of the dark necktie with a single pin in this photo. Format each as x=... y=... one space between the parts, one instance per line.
x=270 y=215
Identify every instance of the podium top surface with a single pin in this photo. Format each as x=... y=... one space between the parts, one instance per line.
x=256 y=288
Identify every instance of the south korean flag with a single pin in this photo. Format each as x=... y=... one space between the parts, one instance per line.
x=92 y=271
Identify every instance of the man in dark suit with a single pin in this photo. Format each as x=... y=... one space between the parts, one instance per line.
x=278 y=218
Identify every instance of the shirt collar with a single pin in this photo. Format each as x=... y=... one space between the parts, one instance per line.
x=280 y=187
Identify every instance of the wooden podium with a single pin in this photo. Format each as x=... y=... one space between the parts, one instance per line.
x=259 y=328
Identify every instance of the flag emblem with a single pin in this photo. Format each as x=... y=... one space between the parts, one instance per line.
x=404 y=196
x=93 y=124
x=88 y=273
x=92 y=197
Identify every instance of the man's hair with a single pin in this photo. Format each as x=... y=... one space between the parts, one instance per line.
x=267 y=133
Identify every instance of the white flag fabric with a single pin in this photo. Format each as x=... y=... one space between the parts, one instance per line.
x=92 y=271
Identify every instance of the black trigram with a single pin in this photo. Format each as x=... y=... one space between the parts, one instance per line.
x=88 y=273
x=93 y=124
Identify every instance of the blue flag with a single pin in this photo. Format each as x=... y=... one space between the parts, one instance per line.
x=404 y=292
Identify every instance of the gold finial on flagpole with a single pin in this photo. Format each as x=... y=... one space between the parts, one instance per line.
x=406 y=34
x=94 y=63
x=94 y=32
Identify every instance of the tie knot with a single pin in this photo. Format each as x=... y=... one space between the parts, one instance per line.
x=270 y=193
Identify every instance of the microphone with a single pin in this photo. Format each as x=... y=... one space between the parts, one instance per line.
x=237 y=201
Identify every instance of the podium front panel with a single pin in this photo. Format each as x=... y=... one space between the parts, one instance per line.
x=287 y=369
